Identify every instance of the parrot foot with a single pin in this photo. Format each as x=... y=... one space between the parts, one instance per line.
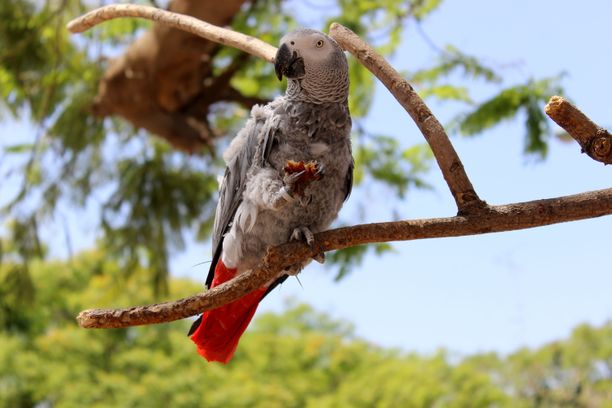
x=320 y=171
x=291 y=181
x=298 y=176
x=303 y=233
x=287 y=193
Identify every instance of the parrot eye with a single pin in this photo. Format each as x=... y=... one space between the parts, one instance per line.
x=319 y=43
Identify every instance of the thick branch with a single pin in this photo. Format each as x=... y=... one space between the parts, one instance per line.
x=594 y=140
x=491 y=219
x=246 y=43
x=452 y=169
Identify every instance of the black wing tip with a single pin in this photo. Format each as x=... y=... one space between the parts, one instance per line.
x=195 y=326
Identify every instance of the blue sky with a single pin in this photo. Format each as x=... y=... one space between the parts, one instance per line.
x=492 y=292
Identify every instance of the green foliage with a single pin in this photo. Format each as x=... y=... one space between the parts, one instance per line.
x=447 y=92
x=525 y=99
x=450 y=61
x=529 y=99
x=16 y=292
x=157 y=199
x=382 y=158
x=301 y=358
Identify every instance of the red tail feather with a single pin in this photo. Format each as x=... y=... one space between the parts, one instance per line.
x=220 y=330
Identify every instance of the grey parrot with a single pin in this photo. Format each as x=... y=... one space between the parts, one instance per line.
x=289 y=170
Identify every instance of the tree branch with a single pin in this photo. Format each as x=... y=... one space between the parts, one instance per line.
x=594 y=140
x=492 y=219
x=246 y=43
x=452 y=169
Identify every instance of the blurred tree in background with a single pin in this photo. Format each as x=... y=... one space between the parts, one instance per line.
x=301 y=358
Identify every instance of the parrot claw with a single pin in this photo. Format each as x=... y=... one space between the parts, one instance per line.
x=303 y=233
x=291 y=179
x=320 y=170
x=304 y=201
x=287 y=192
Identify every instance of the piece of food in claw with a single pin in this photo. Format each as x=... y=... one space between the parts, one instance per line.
x=311 y=173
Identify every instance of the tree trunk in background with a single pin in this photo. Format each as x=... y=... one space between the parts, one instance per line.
x=163 y=82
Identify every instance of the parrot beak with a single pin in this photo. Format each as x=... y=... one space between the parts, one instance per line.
x=288 y=63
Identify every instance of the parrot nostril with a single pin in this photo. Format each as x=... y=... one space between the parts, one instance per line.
x=292 y=42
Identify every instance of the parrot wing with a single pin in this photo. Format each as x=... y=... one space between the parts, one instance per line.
x=254 y=149
x=251 y=147
x=349 y=181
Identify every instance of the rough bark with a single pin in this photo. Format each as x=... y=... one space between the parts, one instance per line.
x=158 y=84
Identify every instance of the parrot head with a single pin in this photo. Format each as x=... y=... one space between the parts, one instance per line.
x=314 y=60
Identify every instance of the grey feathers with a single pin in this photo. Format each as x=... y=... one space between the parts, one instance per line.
x=310 y=123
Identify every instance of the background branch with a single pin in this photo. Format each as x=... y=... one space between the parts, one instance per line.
x=243 y=42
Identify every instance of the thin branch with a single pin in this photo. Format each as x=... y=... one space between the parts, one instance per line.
x=452 y=169
x=594 y=140
x=246 y=43
x=494 y=219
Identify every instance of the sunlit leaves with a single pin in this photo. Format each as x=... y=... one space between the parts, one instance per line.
x=268 y=21
x=382 y=158
x=422 y=8
x=447 y=92
x=22 y=242
x=34 y=51
x=156 y=201
x=300 y=358
x=361 y=89
x=527 y=99
x=452 y=61
x=75 y=126
x=16 y=292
